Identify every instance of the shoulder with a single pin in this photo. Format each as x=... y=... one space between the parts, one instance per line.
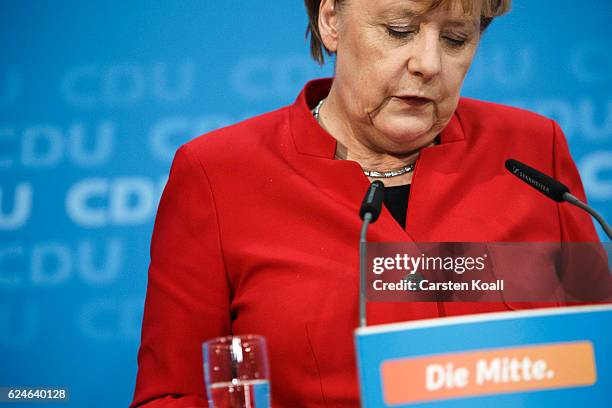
x=476 y=115
x=500 y=132
x=243 y=139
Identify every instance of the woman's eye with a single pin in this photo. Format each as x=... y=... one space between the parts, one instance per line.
x=455 y=42
x=399 y=32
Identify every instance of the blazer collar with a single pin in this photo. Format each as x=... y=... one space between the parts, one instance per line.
x=311 y=139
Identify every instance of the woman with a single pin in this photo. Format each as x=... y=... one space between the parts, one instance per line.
x=257 y=230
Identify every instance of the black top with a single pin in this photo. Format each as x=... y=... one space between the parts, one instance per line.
x=396 y=201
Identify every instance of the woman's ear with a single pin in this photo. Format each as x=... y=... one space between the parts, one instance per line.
x=328 y=24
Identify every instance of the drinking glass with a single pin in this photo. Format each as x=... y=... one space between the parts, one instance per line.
x=236 y=372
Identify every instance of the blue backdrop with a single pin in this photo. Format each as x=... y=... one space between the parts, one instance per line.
x=95 y=99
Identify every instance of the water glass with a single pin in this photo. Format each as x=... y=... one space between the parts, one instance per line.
x=236 y=372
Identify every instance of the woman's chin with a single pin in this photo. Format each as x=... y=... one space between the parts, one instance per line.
x=408 y=135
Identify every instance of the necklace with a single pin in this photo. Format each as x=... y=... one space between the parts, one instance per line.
x=369 y=173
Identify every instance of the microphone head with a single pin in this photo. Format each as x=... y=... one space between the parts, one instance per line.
x=544 y=184
x=373 y=200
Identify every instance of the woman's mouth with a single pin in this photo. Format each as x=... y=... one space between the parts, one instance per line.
x=415 y=101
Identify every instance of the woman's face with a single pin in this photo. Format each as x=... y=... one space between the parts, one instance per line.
x=398 y=71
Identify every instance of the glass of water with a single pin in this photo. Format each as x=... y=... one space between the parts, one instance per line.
x=236 y=372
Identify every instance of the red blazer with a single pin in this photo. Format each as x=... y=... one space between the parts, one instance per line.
x=257 y=232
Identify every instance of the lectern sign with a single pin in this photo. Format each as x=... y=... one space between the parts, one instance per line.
x=486 y=372
x=548 y=357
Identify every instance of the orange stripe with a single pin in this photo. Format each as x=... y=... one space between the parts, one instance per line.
x=488 y=372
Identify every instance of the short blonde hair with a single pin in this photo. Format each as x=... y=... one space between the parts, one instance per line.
x=489 y=10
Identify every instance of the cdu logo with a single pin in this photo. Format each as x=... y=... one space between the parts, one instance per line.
x=123 y=201
x=127 y=84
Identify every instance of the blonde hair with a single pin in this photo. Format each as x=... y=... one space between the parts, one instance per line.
x=489 y=9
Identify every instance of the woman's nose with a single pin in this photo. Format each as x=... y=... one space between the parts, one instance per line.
x=425 y=61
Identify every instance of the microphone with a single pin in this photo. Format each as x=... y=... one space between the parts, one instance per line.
x=372 y=202
x=369 y=213
x=553 y=189
x=544 y=184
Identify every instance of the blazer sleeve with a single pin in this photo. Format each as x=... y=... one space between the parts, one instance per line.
x=585 y=277
x=188 y=293
x=576 y=224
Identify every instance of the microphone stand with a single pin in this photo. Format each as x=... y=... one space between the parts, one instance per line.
x=575 y=201
x=362 y=269
x=369 y=213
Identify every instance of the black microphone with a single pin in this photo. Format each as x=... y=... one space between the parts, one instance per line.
x=369 y=213
x=373 y=200
x=553 y=188
x=544 y=184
